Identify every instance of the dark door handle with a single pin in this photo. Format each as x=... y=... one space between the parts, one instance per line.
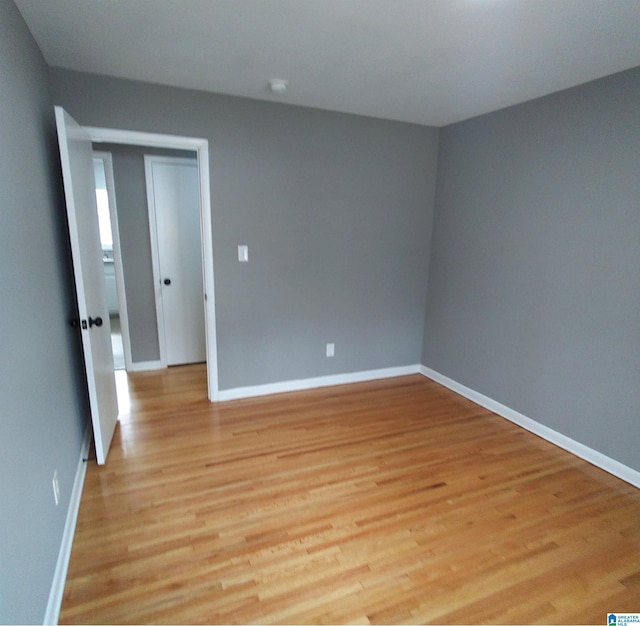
x=167 y=281
x=95 y=321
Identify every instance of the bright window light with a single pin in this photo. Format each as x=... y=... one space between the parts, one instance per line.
x=104 y=220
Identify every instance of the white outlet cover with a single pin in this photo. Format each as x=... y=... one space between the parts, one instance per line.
x=243 y=254
x=331 y=349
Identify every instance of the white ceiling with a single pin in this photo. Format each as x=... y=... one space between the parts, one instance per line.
x=425 y=61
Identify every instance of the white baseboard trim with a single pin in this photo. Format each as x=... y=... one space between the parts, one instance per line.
x=146 y=366
x=60 y=575
x=237 y=393
x=594 y=457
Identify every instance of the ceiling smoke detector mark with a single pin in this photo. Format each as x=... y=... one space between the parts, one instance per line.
x=278 y=85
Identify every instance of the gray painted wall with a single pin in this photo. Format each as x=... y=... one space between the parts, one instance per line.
x=336 y=210
x=42 y=427
x=534 y=285
x=133 y=221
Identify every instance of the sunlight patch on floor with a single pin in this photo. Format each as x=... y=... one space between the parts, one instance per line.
x=122 y=390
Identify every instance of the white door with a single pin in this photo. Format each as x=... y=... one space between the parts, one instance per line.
x=174 y=214
x=82 y=216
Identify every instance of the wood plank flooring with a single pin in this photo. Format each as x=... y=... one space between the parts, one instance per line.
x=395 y=501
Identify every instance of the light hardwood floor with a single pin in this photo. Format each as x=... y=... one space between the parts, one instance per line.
x=394 y=501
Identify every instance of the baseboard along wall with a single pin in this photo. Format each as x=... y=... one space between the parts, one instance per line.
x=574 y=447
x=237 y=393
x=62 y=564
x=146 y=366
x=570 y=445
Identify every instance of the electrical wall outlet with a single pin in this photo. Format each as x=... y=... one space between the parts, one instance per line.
x=56 y=487
x=331 y=349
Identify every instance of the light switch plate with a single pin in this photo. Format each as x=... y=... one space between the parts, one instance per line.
x=243 y=254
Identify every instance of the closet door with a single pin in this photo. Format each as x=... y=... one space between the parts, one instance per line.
x=174 y=219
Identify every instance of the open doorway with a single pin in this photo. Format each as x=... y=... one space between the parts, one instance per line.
x=77 y=160
x=199 y=147
x=160 y=258
x=112 y=259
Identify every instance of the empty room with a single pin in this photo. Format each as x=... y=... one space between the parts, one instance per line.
x=320 y=312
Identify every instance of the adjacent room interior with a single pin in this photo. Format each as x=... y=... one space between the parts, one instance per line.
x=393 y=278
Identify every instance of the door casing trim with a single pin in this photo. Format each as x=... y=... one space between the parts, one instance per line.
x=201 y=147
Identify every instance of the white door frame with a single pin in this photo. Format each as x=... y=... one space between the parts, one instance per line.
x=201 y=147
x=107 y=160
x=149 y=160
